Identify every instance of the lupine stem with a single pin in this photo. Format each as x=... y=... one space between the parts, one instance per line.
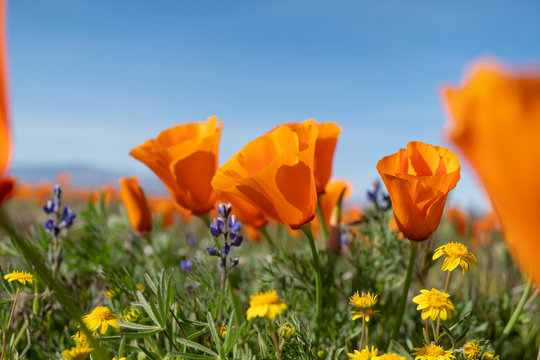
x=515 y=315
x=317 y=270
x=406 y=285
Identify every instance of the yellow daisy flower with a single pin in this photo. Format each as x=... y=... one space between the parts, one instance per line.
x=140 y=287
x=265 y=305
x=20 y=276
x=391 y=356
x=100 y=318
x=122 y=358
x=472 y=350
x=81 y=339
x=434 y=304
x=222 y=331
x=364 y=354
x=490 y=355
x=456 y=254
x=432 y=352
x=363 y=303
x=131 y=314
x=76 y=353
x=112 y=293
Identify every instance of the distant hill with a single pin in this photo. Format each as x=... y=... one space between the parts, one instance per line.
x=84 y=176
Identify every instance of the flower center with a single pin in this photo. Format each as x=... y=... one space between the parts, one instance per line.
x=456 y=250
x=436 y=300
x=434 y=350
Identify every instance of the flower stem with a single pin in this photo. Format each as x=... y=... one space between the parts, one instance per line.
x=515 y=315
x=9 y=322
x=427 y=330
x=439 y=319
x=317 y=270
x=363 y=330
x=406 y=285
x=320 y=215
x=274 y=339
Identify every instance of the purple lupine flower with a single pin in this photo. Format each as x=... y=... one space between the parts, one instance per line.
x=234 y=226
x=50 y=206
x=186 y=265
x=191 y=240
x=212 y=251
x=67 y=217
x=224 y=210
x=216 y=227
x=374 y=194
x=236 y=239
x=225 y=250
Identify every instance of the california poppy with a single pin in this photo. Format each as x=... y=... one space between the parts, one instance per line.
x=275 y=173
x=5 y=135
x=458 y=218
x=495 y=122
x=332 y=217
x=8 y=187
x=137 y=208
x=185 y=158
x=325 y=147
x=418 y=180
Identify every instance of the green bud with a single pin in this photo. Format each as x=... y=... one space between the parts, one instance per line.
x=319 y=354
x=286 y=331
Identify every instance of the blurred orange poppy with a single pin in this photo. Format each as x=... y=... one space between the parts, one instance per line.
x=185 y=158
x=5 y=135
x=332 y=218
x=458 y=218
x=8 y=187
x=495 y=121
x=137 y=207
x=275 y=173
x=418 y=180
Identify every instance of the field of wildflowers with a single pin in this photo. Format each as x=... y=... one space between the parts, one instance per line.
x=263 y=257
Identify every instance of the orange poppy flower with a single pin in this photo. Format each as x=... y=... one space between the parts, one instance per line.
x=483 y=229
x=8 y=187
x=418 y=180
x=325 y=147
x=275 y=173
x=137 y=208
x=458 y=218
x=185 y=158
x=495 y=121
x=328 y=202
x=5 y=135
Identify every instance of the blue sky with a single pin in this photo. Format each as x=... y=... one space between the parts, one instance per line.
x=91 y=79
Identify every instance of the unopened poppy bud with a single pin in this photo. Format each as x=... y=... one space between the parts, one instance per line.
x=286 y=331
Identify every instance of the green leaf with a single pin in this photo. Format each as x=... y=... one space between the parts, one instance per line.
x=213 y=331
x=150 y=283
x=148 y=308
x=197 y=346
x=135 y=326
x=191 y=356
x=450 y=335
x=141 y=334
x=401 y=350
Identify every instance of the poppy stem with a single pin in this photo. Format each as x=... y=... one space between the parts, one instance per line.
x=406 y=285
x=324 y=229
x=515 y=315
x=317 y=270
